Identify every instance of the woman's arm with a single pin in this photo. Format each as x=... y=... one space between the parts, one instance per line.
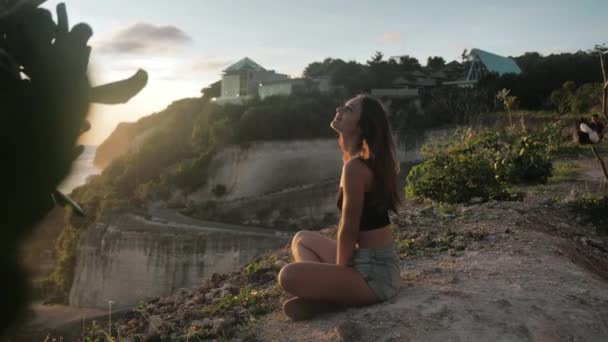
x=352 y=206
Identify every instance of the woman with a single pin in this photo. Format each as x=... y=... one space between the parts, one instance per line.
x=361 y=267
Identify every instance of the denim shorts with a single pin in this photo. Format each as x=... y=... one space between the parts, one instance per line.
x=380 y=268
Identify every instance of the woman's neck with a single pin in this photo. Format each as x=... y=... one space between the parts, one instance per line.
x=350 y=147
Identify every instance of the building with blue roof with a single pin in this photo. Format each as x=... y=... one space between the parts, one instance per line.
x=483 y=63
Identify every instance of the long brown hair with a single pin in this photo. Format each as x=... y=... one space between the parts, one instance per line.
x=378 y=150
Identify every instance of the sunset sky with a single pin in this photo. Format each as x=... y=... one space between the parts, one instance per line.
x=185 y=44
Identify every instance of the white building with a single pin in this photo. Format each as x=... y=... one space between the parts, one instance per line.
x=241 y=80
x=294 y=86
x=482 y=63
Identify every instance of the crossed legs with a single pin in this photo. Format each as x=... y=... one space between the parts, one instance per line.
x=307 y=245
x=316 y=278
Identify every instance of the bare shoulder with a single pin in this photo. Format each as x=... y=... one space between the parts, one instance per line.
x=356 y=170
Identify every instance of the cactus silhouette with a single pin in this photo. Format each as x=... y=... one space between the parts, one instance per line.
x=44 y=99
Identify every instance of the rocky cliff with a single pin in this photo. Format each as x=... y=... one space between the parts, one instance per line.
x=127 y=259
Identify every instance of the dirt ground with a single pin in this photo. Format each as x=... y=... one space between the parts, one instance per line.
x=536 y=272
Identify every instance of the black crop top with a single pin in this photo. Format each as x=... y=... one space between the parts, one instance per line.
x=373 y=215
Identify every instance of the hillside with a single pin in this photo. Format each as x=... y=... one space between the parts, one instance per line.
x=526 y=270
x=127 y=134
x=531 y=270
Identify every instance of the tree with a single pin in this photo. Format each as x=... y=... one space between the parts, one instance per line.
x=382 y=72
x=322 y=69
x=562 y=97
x=435 y=63
x=353 y=76
x=408 y=63
x=376 y=59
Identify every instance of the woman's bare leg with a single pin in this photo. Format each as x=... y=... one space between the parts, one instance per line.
x=313 y=246
x=326 y=282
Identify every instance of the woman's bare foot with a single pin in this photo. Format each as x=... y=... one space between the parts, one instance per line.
x=299 y=309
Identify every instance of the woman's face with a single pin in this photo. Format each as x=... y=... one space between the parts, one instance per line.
x=346 y=120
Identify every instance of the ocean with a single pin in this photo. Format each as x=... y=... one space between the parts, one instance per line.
x=82 y=168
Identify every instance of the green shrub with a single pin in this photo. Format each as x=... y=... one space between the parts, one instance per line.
x=586 y=98
x=579 y=100
x=525 y=161
x=482 y=165
x=454 y=177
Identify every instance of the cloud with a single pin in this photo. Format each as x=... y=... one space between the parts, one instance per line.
x=210 y=64
x=391 y=37
x=145 y=38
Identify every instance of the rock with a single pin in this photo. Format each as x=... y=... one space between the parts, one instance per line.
x=202 y=324
x=348 y=331
x=199 y=298
x=424 y=211
x=228 y=288
x=165 y=301
x=152 y=338
x=423 y=240
x=596 y=243
x=209 y=296
x=181 y=295
x=205 y=285
x=123 y=329
x=218 y=325
x=242 y=313
x=151 y=307
x=155 y=322
x=207 y=323
x=395 y=338
x=279 y=264
x=459 y=245
x=476 y=200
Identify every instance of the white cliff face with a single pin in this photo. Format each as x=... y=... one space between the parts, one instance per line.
x=287 y=185
x=264 y=167
x=131 y=259
x=269 y=166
